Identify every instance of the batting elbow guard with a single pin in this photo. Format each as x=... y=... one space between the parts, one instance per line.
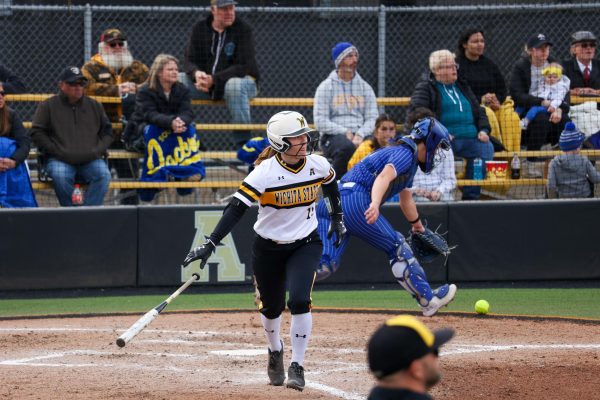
x=331 y=196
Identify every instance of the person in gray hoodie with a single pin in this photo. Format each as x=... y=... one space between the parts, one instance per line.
x=571 y=174
x=345 y=108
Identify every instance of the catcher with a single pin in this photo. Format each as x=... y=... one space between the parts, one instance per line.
x=367 y=186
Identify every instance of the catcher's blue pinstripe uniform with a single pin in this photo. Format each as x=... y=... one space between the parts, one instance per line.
x=355 y=189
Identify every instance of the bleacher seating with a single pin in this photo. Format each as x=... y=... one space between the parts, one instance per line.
x=229 y=157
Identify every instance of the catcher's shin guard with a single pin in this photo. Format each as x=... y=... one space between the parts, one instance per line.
x=409 y=273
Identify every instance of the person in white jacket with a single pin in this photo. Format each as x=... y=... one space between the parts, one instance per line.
x=345 y=108
x=439 y=184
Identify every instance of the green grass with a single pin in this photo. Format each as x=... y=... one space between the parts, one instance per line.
x=580 y=303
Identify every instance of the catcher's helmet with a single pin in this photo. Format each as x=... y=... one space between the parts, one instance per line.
x=287 y=124
x=435 y=136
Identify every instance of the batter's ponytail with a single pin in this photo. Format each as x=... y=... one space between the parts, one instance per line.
x=267 y=153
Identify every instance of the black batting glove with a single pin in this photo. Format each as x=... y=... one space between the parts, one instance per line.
x=200 y=253
x=337 y=226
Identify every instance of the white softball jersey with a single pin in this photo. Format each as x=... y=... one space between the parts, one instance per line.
x=286 y=196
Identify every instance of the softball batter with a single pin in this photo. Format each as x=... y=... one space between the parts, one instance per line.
x=285 y=184
x=369 y=184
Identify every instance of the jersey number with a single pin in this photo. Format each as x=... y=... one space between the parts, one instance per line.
x=311 y=212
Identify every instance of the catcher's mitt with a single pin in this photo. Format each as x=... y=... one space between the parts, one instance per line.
x=428 y=245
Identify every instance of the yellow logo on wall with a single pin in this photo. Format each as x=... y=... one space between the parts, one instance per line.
x=229 y=266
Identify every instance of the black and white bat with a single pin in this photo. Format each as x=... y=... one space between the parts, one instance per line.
x=152 y=314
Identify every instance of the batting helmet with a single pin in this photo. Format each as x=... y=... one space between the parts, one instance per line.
x=287 y=124
x=435 y=136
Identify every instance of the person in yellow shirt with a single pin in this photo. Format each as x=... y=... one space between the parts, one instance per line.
x=385 y=129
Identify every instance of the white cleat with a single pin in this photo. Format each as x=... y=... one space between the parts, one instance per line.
x=441 y=297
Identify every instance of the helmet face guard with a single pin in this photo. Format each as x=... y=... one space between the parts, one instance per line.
x=436 y=139
x=312 y=144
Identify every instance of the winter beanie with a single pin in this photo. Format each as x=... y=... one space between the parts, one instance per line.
x=570 y=138
x=340 y=51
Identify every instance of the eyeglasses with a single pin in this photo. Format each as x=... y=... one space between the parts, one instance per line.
x=78 y=83
x=2 y=93
x=450 y=66
x=589 y=44
x=115 y=44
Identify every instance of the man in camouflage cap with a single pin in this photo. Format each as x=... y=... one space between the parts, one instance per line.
x=113 y=72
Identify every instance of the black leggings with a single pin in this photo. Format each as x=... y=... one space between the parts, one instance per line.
x=296 y=263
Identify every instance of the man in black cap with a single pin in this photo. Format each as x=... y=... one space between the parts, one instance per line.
x=73 y=132
x=403 y=356
x=220 y=63
x=583 y=69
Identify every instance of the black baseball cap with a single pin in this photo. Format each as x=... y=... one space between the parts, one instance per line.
x=72 y=74
x=583 y=36
x=400 y=341
x=538 y=40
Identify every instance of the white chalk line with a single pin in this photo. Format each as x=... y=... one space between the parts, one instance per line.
x=449 y=350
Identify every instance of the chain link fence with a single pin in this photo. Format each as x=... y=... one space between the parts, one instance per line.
x=293 y=44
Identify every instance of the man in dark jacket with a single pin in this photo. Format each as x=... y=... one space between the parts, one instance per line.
x=403 y=355
x=220 y=63
x=73 y=132
x=583 y=69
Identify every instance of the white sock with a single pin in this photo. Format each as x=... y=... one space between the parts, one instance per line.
x=272 y=327
x=300 y=333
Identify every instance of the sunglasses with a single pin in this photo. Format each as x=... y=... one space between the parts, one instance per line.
x=116 y=44
x=78 y=83
x=2 y=93
x=586 y=45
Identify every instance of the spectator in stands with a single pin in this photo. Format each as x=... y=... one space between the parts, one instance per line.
x=403 y=355
x=114 y=73
x=15 y=187
x=488 y=85
x=571 y=174
x=481 y=73
x=73 y=133
x=583 y=69
x=345 y=108
x=385 y=130
x=454 y=104
x=163 y=111
x=553 y=89
x=220 y=63
x=439 y=183
x=526 y=79
x=12 y=83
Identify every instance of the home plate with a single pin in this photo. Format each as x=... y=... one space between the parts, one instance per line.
x=238 y=353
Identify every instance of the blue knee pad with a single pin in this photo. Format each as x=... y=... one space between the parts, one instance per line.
x=410 y=274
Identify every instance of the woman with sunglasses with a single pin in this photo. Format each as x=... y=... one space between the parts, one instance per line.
x=14 y=148
x=367 y=186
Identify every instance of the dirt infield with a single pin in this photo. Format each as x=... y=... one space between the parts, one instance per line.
x=223 y=356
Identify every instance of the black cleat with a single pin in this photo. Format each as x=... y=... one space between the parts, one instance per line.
x=275 y=368
x=295 y=377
